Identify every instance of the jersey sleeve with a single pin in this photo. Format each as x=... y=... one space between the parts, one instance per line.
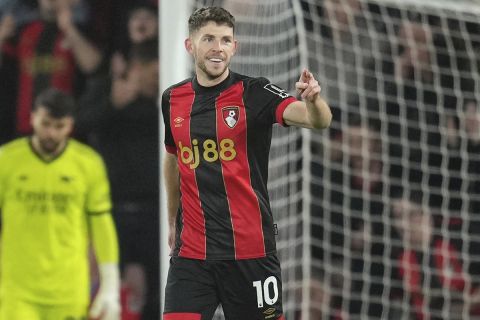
x=104 y=238
x=268 y=100
x=102 y=227
x=169 y=142
x=98 y=196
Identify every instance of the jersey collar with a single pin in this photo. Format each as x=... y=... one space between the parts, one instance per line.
x=45 y=160
x=219 y=87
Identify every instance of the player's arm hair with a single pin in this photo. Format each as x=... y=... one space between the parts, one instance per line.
x=308 y=114
x=104 y=237
x=172 y=186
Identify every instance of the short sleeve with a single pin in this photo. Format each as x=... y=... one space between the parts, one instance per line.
x=169 y=142
x=98 y=194
x=268 y=100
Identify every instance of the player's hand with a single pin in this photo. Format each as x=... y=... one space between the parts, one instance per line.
x=65 y=18
x=7 y=27
x=307 y=87
x=171 y=237
x=106 y=305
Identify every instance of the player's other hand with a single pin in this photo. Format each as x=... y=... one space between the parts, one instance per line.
x=171 y=236
x=7 y=27
x=65 y=18
x=106 y=305
x=307 y=87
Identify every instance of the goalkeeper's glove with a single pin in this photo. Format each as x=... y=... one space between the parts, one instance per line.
x=106 y=304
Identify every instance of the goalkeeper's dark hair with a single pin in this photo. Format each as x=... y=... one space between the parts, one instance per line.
x=202 y=16
x=58 y=103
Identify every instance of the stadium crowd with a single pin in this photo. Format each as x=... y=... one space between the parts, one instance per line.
x=103 y=53
x=403 y=148
x=402 y=220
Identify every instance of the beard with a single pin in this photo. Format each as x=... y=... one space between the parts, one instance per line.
x=212 y=75
x=48 y=146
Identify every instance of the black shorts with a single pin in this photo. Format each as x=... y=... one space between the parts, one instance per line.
x=247 y=289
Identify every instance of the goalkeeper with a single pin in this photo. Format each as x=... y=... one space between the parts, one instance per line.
x=55 y=201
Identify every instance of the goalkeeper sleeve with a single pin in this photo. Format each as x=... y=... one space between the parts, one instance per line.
x=106 y=305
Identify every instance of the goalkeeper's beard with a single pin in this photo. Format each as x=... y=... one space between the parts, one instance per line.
x=49 y=146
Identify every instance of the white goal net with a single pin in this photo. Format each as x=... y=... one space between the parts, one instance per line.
x=379 y=215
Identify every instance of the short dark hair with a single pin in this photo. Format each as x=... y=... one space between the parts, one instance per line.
x=145 y=51
x=58 y=103
x=202 y=16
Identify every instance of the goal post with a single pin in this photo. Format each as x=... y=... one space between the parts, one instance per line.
x=174 y=67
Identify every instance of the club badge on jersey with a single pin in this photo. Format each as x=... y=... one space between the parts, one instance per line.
x=231 y=115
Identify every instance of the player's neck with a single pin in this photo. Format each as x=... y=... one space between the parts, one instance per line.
x=205 y=81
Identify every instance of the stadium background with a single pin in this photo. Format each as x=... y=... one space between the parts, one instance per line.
x=378 y=216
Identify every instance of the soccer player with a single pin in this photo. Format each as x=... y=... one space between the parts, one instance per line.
x=218 y=134
x=55 y=201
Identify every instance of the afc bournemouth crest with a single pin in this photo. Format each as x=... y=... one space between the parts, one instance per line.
x=231 y=115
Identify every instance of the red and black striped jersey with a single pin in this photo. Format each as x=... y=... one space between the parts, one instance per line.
x=222 y=136
x=44 y=59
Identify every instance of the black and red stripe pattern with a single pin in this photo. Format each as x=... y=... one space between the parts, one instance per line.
x=243 y=203
x=221 y=136
x=45 y=60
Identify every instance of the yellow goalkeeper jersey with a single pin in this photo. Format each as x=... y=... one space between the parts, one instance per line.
x=44 y=226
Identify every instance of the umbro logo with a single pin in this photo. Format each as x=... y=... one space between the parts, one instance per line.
x=269 y=311
x=178 y=121
x=231 y=115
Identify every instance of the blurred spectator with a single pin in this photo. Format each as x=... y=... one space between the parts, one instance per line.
x=429 y=266
x=462 y=131
x=359 y=188
x=120 y=119
x=471 y=120
x=464 y=154
x=321 y=303
x=142 y=24
x=22 y=11
x=48 y=52
x=414 y=92
x=132 y=295
x=349 y=36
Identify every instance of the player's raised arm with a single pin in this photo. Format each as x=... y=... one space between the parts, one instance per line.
x=313 y=111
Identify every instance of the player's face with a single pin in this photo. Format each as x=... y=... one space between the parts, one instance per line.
x=142 y=25
x=212 y=47
x=49 y=133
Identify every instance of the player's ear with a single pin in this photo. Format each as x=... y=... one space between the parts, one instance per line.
x=235 y=46
x=32 y=118
x=70 y=125
x=189 y=45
